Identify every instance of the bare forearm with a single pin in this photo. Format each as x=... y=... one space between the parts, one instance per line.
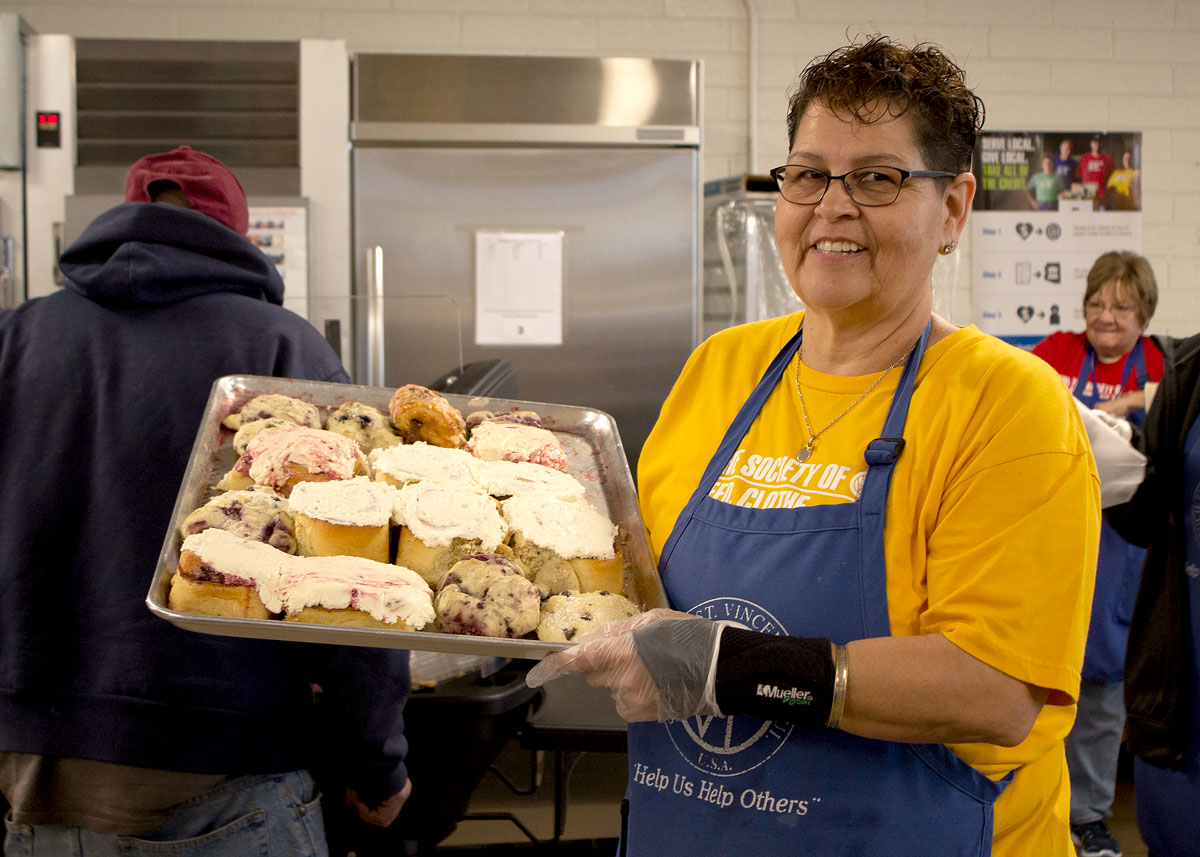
x=1124 y=404
x=926 y=689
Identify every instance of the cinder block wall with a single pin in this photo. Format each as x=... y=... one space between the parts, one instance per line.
x=1038 y=64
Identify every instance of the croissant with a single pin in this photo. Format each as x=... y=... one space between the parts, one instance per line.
x=420 y=414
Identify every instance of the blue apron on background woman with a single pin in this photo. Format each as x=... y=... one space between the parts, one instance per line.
x=1168 y=801
x=1119 y=566
x=739 y=785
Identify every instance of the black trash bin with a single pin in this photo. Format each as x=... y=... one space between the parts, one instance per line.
x=455 y=730
x=482 y=378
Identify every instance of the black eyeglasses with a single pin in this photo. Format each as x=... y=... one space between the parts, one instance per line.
x=805 y=185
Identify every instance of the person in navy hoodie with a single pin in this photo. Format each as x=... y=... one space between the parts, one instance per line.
x=120 y=733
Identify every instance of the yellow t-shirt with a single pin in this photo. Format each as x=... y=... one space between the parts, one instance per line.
x=992 y=523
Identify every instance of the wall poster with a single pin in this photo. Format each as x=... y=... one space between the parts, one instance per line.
x=281 y=232
x=1047 y=204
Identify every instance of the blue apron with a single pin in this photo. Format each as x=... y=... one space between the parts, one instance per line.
x=739 y=785
x=1119 y=566
x=1167 y=800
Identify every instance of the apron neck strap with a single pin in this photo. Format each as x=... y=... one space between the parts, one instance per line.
x=1134 y=361
x=884 y=450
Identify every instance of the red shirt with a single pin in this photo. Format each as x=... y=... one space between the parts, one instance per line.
x=1065 y=352
x=1095 y=168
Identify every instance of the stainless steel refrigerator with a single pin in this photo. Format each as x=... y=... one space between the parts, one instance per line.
x=13 y=83
x=540 y=210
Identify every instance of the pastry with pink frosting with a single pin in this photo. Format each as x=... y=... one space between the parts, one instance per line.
x=252 y=429
x=502 y=440
x=284 y=456
x=357 y=592
x=222 y=574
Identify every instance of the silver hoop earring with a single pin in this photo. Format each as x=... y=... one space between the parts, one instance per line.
x=947 y=249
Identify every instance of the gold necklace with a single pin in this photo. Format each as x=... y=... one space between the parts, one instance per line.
x=806 y=450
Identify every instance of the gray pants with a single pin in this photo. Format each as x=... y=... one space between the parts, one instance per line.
x=1092 y=749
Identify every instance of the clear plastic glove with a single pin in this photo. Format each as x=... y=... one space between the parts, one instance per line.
x=1120 y=466
x=659 y=665
x=1120 y=426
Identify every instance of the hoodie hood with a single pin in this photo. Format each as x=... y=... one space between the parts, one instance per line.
x=154 y=254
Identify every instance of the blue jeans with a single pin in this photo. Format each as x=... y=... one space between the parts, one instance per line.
x=277 y=815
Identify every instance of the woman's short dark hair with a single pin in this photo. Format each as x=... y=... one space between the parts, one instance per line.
x=920 y=82
x=1134 y=278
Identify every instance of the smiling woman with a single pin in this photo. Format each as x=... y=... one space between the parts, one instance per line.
x=856 y=264
x=905 y=634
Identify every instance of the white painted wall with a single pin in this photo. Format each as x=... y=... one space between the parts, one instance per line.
x=325 y=181
x=50 y=173
x=1038 y=64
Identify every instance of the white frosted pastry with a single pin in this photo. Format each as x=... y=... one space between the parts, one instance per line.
x=510 y=478
x=257 y=513
x=347 y=590
x=565 y=544
x=497 y=440
x=366 y=426
x=252 y=429
x=571 y=528
x=420 y=461
x=439 y=512
x=443 y=522
x=486 y=595
x=294 y=410
x=223 y=574
x=570 y=615
x=348 y=517
x=282 y=457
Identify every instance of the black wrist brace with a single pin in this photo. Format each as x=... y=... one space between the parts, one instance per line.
x=775 y=678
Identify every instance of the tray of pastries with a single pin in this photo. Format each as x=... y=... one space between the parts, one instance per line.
x=402 y=518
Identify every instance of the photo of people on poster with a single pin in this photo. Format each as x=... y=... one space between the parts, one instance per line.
x=1049 y=203
x=1016 y=171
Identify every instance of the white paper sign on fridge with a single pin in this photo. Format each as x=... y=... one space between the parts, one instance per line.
x=518 y=288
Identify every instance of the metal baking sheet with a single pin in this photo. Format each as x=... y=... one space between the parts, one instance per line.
x=595 y=457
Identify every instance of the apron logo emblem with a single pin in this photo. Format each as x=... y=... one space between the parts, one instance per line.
x=729 y=746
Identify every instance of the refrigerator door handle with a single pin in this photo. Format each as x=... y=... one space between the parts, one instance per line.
x=375 y=346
